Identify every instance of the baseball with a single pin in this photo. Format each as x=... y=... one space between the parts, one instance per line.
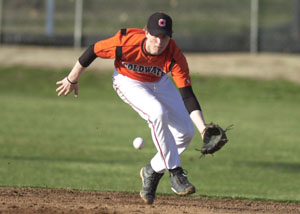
x=138 y=143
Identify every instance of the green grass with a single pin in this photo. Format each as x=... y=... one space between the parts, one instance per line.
x=86 y=143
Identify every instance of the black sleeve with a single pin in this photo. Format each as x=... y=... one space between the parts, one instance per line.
x=189 y=99
x=87 y=57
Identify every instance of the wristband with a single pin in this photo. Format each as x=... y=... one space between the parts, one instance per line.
x=73 y=83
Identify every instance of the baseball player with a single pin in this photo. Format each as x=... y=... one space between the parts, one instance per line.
x=143 y=59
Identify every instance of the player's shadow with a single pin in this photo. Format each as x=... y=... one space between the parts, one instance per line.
x=277 y=166
x=11 y=159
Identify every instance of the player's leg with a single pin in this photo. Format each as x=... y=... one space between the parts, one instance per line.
x=181 y=128
x=140 y=96
x=180 y=123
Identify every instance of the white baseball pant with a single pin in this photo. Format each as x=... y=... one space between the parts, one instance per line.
x=161 y=105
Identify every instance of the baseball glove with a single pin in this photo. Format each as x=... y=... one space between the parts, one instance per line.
x=214 y=139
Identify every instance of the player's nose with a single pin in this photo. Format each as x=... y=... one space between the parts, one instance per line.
x=158 y=41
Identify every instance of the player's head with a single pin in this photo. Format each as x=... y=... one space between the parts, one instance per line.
x=160 y=24
x=158 y=33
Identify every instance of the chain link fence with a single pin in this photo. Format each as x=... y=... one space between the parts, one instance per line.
x=199 y=25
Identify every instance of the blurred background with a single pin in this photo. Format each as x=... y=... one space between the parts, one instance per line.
x=199 y=25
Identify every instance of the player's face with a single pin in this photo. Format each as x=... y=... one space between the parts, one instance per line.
x=155 y=45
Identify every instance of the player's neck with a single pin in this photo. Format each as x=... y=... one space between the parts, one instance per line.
x=147 y=48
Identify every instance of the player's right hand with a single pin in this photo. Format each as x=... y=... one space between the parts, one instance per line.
x=66 y=87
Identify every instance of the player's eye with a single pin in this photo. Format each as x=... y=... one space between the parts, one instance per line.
x=163 y=37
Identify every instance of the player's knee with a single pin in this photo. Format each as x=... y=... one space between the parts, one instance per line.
x=159 y=114
x=186 y=134
x=189 y=134
x=184 y=141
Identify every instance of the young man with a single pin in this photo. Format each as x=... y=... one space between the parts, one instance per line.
x=142 y=60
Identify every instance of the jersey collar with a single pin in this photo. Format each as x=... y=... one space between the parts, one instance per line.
x=143 y=46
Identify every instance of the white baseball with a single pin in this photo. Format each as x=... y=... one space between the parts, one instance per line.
x=138 y=143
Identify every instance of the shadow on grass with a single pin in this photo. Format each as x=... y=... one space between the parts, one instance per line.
x=276 y=166
x=11 y=159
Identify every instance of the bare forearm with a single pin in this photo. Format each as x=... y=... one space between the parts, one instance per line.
x=76 y=72
x=70 y=82
x=198 y=119
x=193 y=107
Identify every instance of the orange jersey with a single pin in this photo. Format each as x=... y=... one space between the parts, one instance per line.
x=127 y=47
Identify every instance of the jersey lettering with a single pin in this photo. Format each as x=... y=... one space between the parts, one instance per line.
x=127 y=47
x=145 y=69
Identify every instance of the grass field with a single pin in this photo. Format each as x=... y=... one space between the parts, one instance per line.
x=86 y=143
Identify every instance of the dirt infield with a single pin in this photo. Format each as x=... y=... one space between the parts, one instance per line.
x=46 y=201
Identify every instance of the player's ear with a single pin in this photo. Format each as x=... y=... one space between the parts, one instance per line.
x=147 y=33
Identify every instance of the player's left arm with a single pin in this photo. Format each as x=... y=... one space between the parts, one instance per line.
x=193 y=107
x=180 y=73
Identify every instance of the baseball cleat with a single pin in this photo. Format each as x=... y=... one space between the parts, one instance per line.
x=150 y=180
x=180 y=184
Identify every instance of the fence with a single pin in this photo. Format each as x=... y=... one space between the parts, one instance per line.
x=199 y=25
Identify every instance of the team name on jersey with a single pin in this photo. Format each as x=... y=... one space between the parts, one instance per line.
x=145 y=69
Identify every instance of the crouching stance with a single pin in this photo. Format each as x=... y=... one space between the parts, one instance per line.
x=143 y=59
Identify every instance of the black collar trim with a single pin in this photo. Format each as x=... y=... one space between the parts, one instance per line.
x=143 y=46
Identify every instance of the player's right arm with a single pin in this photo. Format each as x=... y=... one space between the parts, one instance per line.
x=104 y=49
x=70 y=82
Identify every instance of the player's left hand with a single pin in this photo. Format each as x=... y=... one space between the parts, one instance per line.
x=214 y=138
x=66 y=87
